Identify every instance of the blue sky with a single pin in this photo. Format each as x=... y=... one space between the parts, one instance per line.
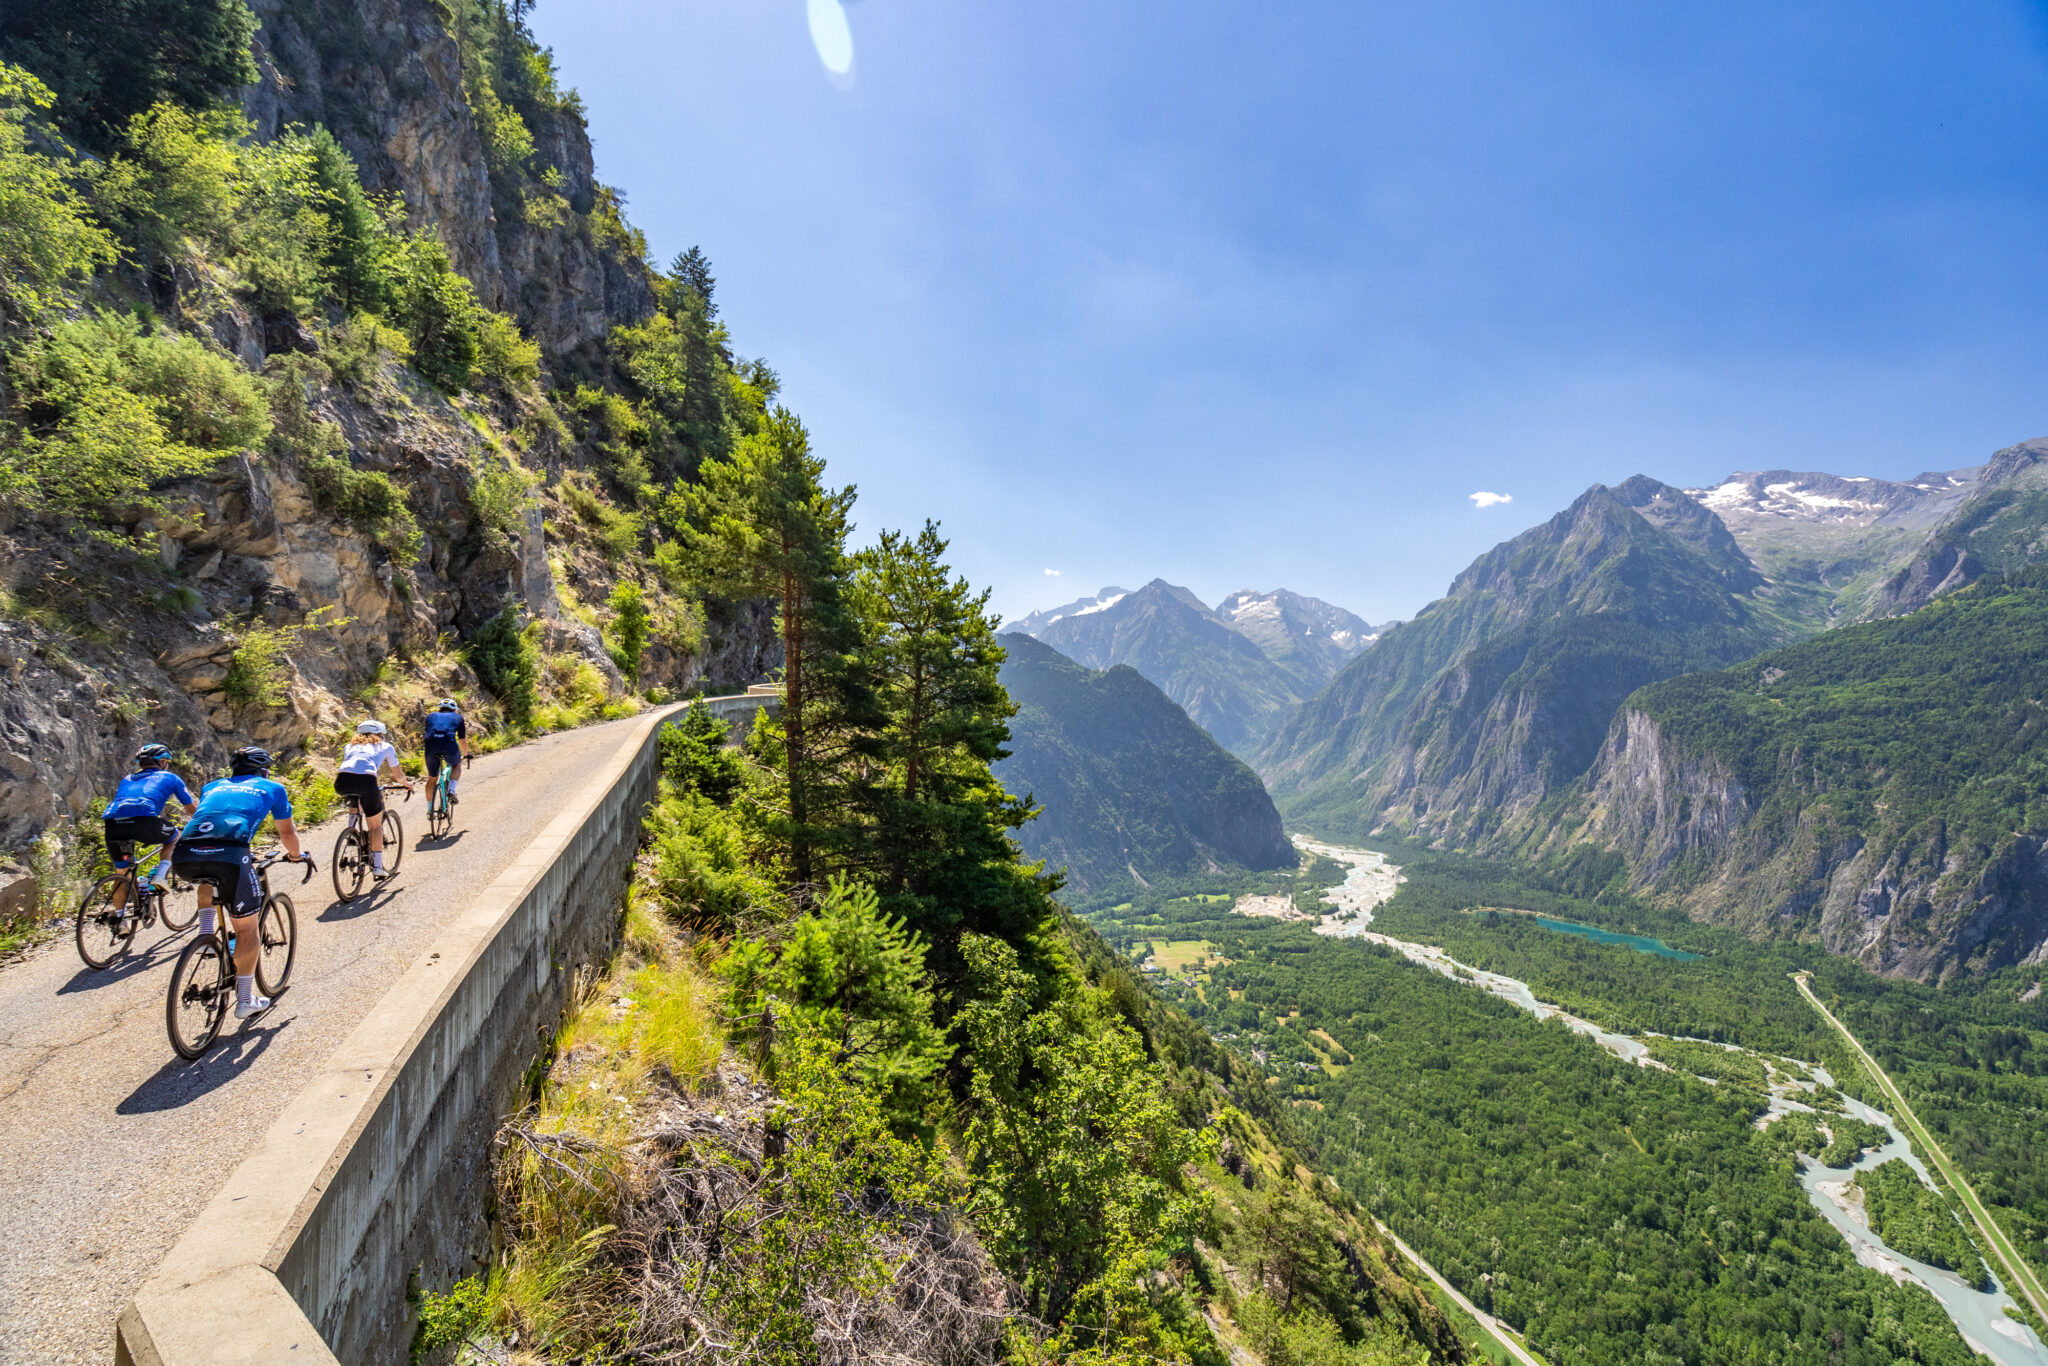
x=1258 y=295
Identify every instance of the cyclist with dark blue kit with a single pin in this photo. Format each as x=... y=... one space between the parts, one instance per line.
x=447 y=742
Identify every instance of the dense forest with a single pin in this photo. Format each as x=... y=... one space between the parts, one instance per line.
x=1615 y=1213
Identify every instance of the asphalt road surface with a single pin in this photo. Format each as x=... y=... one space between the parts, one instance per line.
x=110 y=1144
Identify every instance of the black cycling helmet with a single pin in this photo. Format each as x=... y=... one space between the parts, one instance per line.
x=251 y=759
x=153 y=754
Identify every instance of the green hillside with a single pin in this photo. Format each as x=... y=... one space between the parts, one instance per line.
x=1129 y=786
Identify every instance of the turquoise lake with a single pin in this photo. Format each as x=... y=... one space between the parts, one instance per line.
x=1634 y=941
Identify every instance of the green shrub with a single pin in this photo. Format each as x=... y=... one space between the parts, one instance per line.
x=503 y=354
x=695 y=758
x=500 y=495
x=260 y=669
x=107 y=410
x=48 y=241
x=438 y=310
x=507 y=661
x=176 y=178
x=369 y=500
x=629 y=628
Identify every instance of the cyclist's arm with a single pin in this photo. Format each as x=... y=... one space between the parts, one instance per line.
x=393 y=764
x=288 y=836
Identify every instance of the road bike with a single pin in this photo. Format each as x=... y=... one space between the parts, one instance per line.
x=203 y=984
x=120 y=904
x=440 y=804
x=351 y=862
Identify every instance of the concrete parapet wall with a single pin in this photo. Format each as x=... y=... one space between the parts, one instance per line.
x=380 y=1165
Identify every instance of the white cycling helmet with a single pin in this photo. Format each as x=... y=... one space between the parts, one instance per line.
x=370 y=728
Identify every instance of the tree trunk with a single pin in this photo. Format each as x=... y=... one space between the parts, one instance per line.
x=793 y=720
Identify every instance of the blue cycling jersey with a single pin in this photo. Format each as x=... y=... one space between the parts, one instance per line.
x=231 y=809
x=443 y=726
x=146 y=793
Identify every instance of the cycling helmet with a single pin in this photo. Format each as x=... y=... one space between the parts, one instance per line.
x=251 y=759
x=370 y=728
x=153 y=754
x=448 y=704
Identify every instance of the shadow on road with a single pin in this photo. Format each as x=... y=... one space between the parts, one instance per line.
x=448 y=841
x=89 y=979
x=178 y=1083
x=374 y=896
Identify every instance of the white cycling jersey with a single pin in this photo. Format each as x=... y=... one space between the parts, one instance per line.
x=368 y=758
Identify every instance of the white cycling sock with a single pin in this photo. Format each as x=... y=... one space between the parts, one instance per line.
x=207 y=923
x=451 y=784
x=377 y=860
x=245 y=989
x=163 y=871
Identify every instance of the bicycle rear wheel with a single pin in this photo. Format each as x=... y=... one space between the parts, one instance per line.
x=201 y=986
x=394 y=840
x=99 y=943
x=439 y=817
x=278 y=940
x=178 y=907
x=349 y=864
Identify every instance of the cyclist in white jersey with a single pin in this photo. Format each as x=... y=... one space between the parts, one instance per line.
x=362 y=767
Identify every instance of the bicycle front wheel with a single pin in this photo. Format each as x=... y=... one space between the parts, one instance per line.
x=201 y=986
x=348 y=864
x=394 y=840
x=100 y=941
x=278 y=944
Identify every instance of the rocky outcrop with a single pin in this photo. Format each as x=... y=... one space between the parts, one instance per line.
x=1657 y=803
x=385 y=77
x=1903 y=902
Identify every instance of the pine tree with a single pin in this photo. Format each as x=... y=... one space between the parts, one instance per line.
x=762 y=523
x=692 y=270
x=939 y=847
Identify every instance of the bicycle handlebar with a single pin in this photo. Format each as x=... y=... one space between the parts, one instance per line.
x=269 y=859
x=397 y=787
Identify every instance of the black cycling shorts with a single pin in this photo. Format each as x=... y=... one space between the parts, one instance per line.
x=125 y=832
x=228 y=868
x=443 y=752
x=362 y=786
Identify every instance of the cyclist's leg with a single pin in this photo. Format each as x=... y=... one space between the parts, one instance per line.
x=120 y=837
x=243 y=910
x=167 y=850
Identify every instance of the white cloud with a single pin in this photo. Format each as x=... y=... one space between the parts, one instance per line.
x=1052 y=573
x=1483 y=499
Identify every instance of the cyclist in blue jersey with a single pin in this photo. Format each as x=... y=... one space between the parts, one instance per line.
x=136 y=814
x=447 y=743
x=214 y=848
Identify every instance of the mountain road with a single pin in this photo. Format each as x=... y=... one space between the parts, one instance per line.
x=110 y=1144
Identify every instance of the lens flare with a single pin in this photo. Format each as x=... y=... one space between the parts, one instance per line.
x=832 y=36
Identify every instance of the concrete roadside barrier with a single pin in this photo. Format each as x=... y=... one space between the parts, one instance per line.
x=380 y=1165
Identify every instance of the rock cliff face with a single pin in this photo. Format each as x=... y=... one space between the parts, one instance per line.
x=1495 y=698
x=1865 y=791
x=386 y=78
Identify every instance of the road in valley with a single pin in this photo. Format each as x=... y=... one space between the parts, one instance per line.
x=109 y=1144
